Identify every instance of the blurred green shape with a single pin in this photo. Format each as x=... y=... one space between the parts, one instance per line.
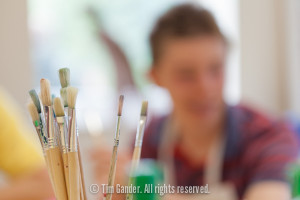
x=294 y=178
x=146 y=177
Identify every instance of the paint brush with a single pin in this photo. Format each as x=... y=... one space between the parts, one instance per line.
x=74 y=168
x=113 y=162
x=36 y=122
x=63 y=95
x=39 y=126
x=138 y=145
x=61 y=119
x=64 y=77
x=35 y=99
x=53 y=151
x=63 y=135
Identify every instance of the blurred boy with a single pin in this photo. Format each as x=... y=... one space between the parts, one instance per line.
x=203 y=140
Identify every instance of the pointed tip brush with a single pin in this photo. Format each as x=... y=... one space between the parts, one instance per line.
x=64 y=77
x=113 y=162
x=120 y=107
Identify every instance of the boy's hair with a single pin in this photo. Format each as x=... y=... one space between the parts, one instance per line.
x=182 y=21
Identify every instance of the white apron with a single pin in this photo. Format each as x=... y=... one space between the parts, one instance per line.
x=212 y=171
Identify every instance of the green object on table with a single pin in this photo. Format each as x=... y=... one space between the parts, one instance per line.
x=146 y=177
x=146 y=185
x=294 y=178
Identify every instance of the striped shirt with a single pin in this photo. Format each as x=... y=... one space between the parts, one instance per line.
x=256 y=149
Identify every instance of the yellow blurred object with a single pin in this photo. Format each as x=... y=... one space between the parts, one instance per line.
x=18 y=154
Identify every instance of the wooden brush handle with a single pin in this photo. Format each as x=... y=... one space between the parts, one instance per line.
x=74 y=176
x=66 y=170
x=134 y=164
x=57 y=173
x=82 y=181
x=81 y=189
x=49 y=167
x=112 y=171
x=135 y=159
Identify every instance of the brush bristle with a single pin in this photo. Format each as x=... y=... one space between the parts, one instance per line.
x=58 y=107
x=45 y=92
x=33 y=111
x=64 y=77
x=36 y=100
x=144 y=110
x=64 y=96
x=72 y=96
x=121 y=100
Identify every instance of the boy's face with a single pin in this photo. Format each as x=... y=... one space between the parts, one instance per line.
x=192 y=70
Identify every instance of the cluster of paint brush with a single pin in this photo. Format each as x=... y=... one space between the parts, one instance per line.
x=55 y=123
x=137 y=148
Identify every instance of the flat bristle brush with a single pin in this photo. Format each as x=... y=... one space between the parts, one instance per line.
x=36 y=101
x=64 y=77
x=39 y=125
x=33 y=111
x=113 y=162
x=36 y=121
x=53 y=150
x=138 y=145
x=73 y=160
x=63 y=135
x=63 y=95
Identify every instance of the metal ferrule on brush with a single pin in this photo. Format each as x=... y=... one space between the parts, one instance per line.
x=141 y=128
x=49 y=126
x=72 y=136
x=61 y=121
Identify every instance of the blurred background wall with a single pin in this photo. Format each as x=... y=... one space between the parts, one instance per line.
x=16 y=68
x=268 y=52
